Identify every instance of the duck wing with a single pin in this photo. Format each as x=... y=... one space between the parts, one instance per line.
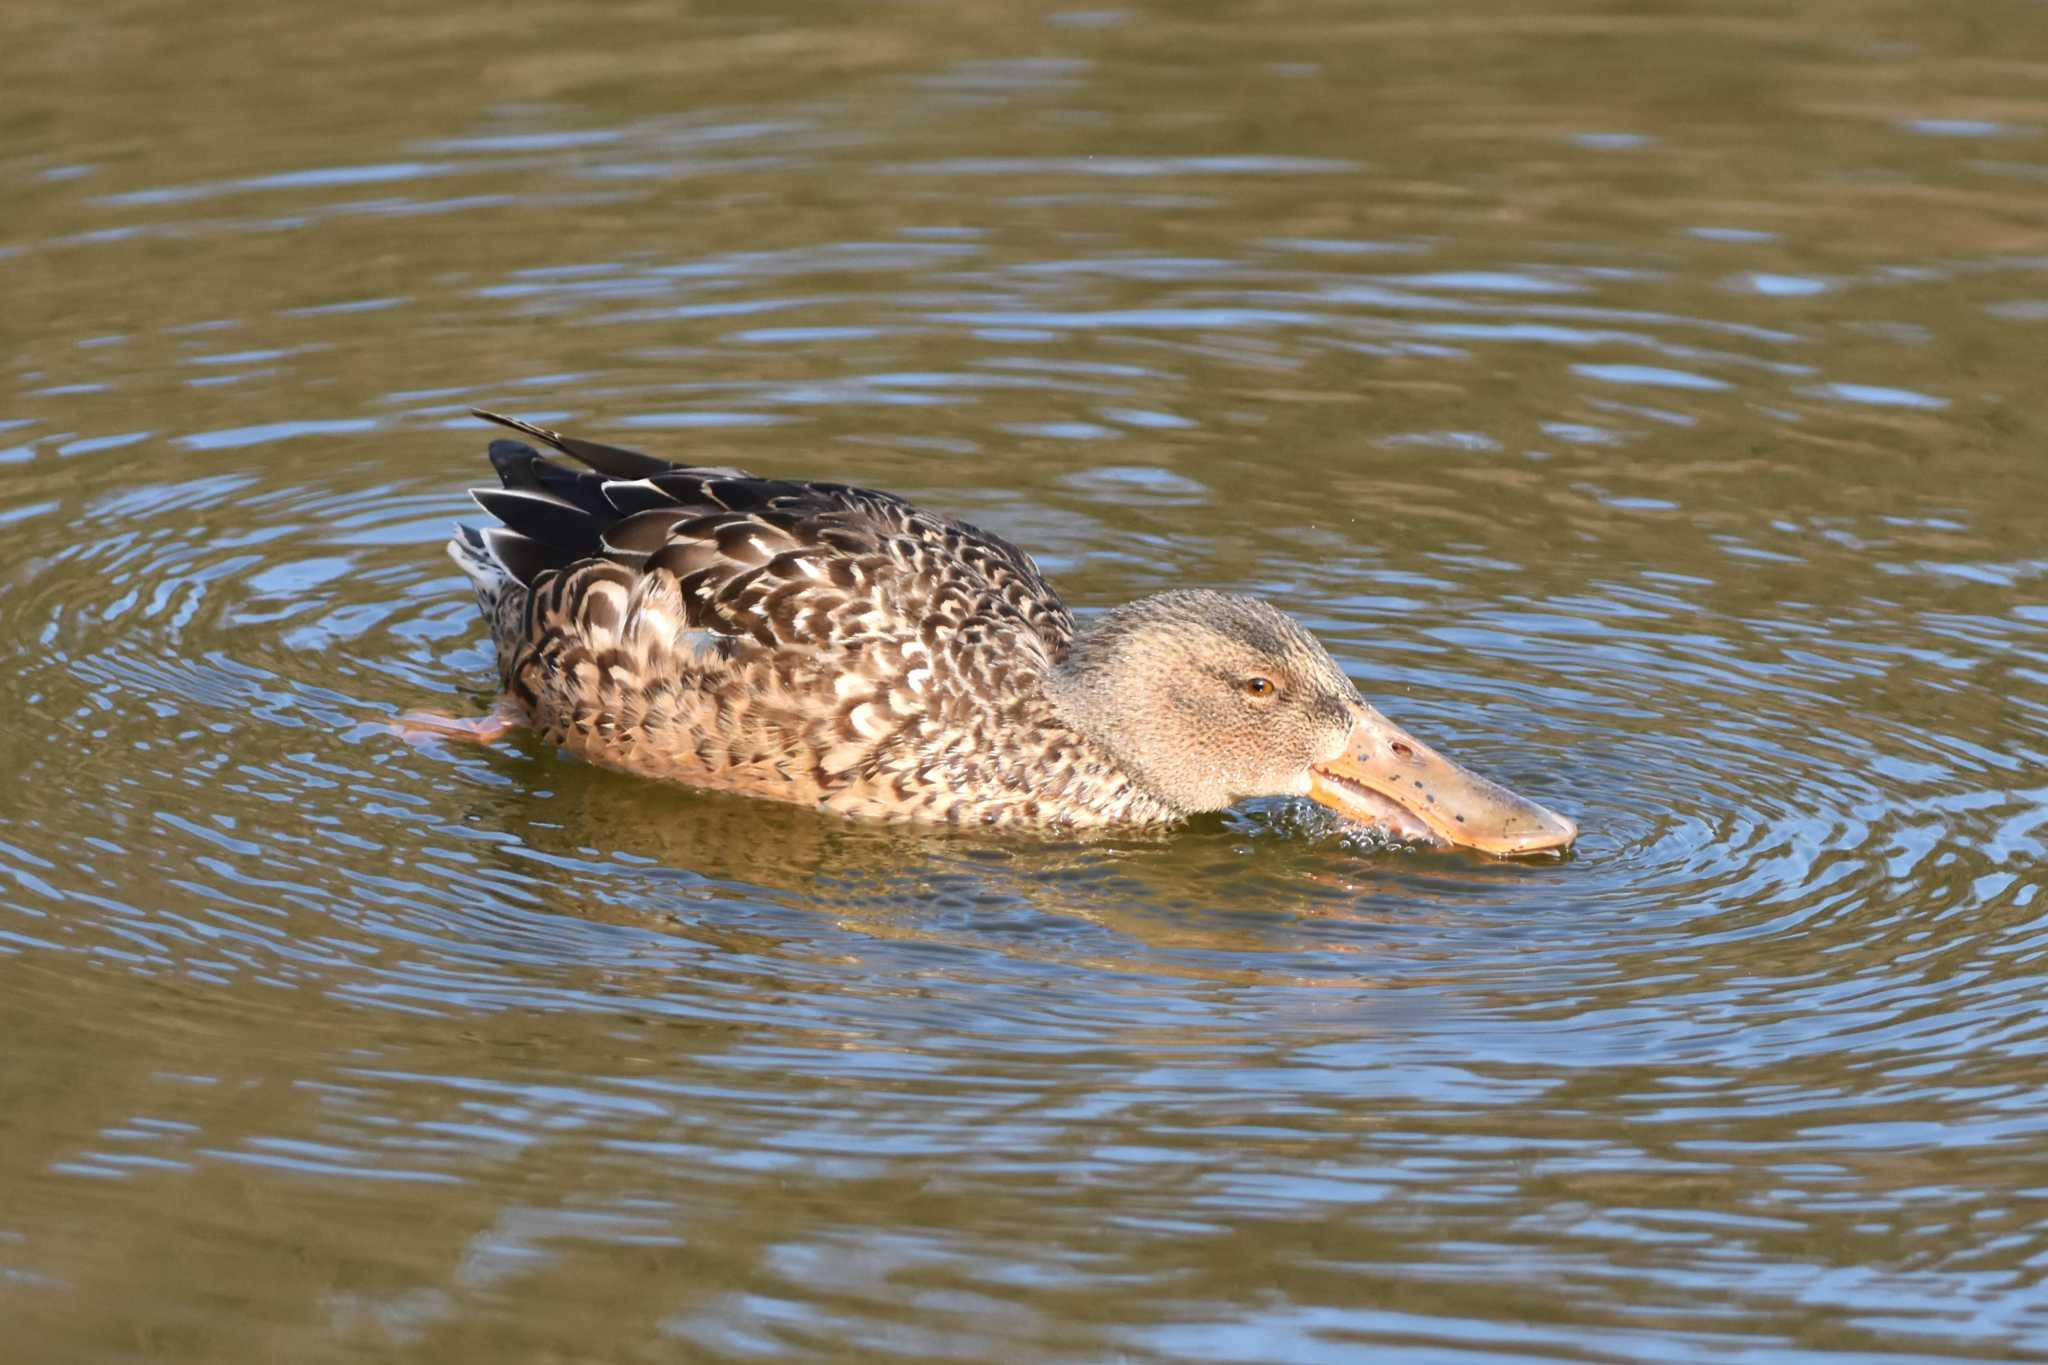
x=782 y=564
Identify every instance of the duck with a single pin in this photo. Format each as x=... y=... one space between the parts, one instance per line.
x=834 y=646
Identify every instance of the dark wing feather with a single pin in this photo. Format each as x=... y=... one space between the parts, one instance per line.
x=521 y=468
x=560 y=525
x=614 y=461
x=786 y=562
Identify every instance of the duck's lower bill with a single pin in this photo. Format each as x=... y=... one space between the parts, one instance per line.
x=1388 y=778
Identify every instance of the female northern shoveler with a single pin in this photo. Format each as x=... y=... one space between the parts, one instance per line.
x=837 y=647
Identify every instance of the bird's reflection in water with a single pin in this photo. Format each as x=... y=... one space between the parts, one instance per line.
x=1280 y=893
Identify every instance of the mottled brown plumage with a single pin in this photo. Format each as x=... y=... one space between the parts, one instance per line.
x=836 y=646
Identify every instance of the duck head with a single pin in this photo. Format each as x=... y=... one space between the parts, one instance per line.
x=1212 y=698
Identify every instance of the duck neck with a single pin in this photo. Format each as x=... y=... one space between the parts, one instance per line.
x=1088 y=696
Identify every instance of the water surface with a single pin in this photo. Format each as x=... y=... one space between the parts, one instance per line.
x=1644 y=403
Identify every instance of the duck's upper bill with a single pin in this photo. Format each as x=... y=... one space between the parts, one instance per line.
x=1385 y=776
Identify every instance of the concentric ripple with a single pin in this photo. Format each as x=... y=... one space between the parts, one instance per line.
x=1638 y=405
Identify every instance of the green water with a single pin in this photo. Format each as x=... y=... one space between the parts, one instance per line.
x=1642 y=401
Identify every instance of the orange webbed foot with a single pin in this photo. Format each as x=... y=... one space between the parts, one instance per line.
x=424 y=727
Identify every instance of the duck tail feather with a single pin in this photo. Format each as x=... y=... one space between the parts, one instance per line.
x=613 y=461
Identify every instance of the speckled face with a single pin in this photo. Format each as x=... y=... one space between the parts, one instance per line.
x=1270 y=700
x=1210 y=698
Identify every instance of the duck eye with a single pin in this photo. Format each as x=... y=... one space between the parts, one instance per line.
x=1258 y=687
